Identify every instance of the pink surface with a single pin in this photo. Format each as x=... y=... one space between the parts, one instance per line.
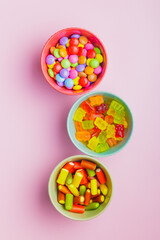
x=33 y=118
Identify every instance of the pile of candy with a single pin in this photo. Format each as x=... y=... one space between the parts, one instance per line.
x=81 y=186
x=100 y=125
x=74 y=62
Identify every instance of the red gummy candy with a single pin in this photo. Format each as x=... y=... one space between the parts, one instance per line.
x=102 y=108
x=119 y=131
x=87 y=107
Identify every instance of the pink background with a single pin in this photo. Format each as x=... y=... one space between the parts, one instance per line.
x=33 y=118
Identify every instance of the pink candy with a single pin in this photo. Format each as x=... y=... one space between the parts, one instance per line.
x=88 y=46
x=98 y=70
x=73 y=74
x=73 y=58
x=60 y=59
x=84 y=52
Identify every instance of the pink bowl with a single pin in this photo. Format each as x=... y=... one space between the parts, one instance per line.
x=53 y=40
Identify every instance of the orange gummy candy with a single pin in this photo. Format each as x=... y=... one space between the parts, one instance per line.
x=109 y=119
x=78 y=126
x=97 y=100
x=111 y=142
x=83 y=136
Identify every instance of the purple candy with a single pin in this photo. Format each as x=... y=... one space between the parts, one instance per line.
x=88 y=46
x=50 y=59
x=80 y=67
x=64 y=73
x=61 y=84
x=75 y=36
x=63 y=40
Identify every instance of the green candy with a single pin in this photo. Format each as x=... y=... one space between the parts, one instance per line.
x=56 y=53
x=82 y=190
x=69 y=201
x=74 y=64
x=88 y=124
x=102 y=147
x=92 y=206
x=50 y=72
x=97 y=50
x=94 y=63
x=69 y=179
x=65 y=63
x=91 y=172
x=102 y=137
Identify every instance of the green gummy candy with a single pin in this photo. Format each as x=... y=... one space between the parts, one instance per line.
x=56 y=53
x=82 y=190
x=79 y=114
x=94 y=63
x=88 y=124
x=69 y=179
x=90 y=172
x=93 y=142
x=102 y=137
x=118 y=108
x=69 y=201
x=92 y=206
x=97 y=50
x=102 y=147
x=50 y=72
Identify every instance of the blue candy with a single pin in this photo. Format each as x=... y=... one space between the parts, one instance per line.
x=64 y=73
x=63 y=40
x=59 y=78
x=80 y=67
x=75 y=36
x=69 y=83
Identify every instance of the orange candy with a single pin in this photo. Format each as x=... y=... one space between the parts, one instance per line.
x=82 y=74
x=61 y=198
x=100 y=176
x=89 y=70
x=78 y=126
x=111 y=142
x=92 y=77
x=97 y=100
x=88 y=164
x=52 y=50
x=63 y=52
x=87 y=197
x=82 y=59
x=83 y=40
x=83 y=136
x=109 y=119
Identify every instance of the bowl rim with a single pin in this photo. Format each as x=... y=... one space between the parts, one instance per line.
x=61 y=89
x=67 y=160
x=77 y=102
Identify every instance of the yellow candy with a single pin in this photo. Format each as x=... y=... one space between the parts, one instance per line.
x=94 y=186
x=76 y=81
x=93 y=142
x=99 y=57
x=73 y=190
x=77 y=87
x=104 y=189
x=62 y=176
x=80 y=45
x=77 y=179
x=111 y=131
x=88 y=61
x=67 y=45
x=51 y=66
x=100 y=123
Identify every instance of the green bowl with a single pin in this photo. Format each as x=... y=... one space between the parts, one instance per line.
x=52 y=190
x=82 y=147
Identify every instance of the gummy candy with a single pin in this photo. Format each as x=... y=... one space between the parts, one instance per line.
x=111 y=131
x=87 y=107
x=109 y=119
x=86 y=117
x=102 y=147
x=102 y=137
x=97 y=100
x=95 y=132
x=102 y=108
x=116 y=108
x=119 y=131
x=94 y=116
x=83 y=136
x=93 y=142
x=111 y=142
x=79 y=114
x=100 y=123
x=87 y=124
x=78 y=126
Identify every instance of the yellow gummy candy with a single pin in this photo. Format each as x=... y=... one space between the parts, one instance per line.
x=111 y=131
x=97 y=100
x=100 y=123
x=92 y=143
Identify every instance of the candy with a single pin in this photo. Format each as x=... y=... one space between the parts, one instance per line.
x=100 y=176
x=84 y=52
x=109 y=119
x=76 y=80
x=92 y=143
x=80 y=51
x=69 y=166
x=65 y=63
x=78 y=200
x=101 y=108
x=104 y=189
x=94 y=63
x=73 y=74
x=62 y=176
x=68 y=83
x=87 y=124
x=116 y=108
x=82 y=74
x=72 y=50
x=75 y=36
x=52 y=50
x=98 y=193
x=97 y=100
x=99 y=199
x=78 y=209
x=79 y=114
x=74 y=64
x=95 y=132
x=63 y=52
x=100 y=123
x=69 y=179
x=77 y=179
x=77 y=165
x=89 y=70
x=88 y=164
x=88 y=46
x=73 y=190
x=99 y=57
x=61 y=84
x=63 y=40
x=92 y=77
x=98 y=70
x=73 y=58
x=83 y=81
x=82 y=190
x=59 y=78
x=87 y=197
x=51 y=66
x=64 y=73
x=56 y=53
x=102 y=147
x=51 y=73
x=74 y=41
x=91 y=178
x=57 y=67
x=111 y=131
x=91 y=53
x=83 y=136
x=92 y=206
x=102 y=137
x=91 y=172
x=80 y=68
x=111 y=142
x=87 y=107
x=83 y=40
x=61 y=197
x=77 y=87
x=119 y=131
x=63 y=189
x=97 y=50
x=69 y=201
x=50 y=59
x=84 y=179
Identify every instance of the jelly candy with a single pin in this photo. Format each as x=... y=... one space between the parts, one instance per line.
x=87 y=107
x=87 y=117
x=111 y=142
x=102 y=137
x=83 y=136
x=119 y=131
x=97 y=100
x=93 y=142
x=102 y=147
x=94 y=116
x=95 y=132
x=101 y=108
x=111 y=131
x=109 y=119
x=87 y=124
x=116 y=109
x=78 y=126
x=100 y=123
x=79 y=114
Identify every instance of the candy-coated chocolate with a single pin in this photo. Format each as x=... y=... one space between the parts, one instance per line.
x=73 y=74
x=50 y=59
x=83 y=81
x=59 y=78
x=92 y=77
x=65 y=63
x=75 y=36
x=73 y=58
x=83 y=40
x=56 y=53
x=69 y=83
x=74 y=41
x=64 y=73
x=88 y=46
x=91 y=53
x=63 y=40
